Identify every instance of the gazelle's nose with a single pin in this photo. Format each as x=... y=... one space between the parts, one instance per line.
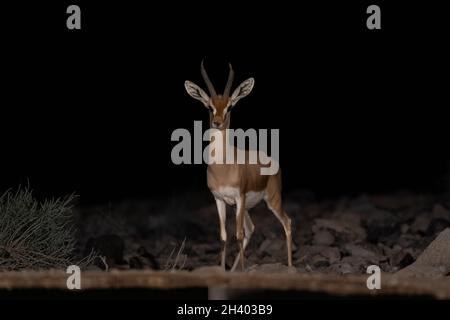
x=216 y=124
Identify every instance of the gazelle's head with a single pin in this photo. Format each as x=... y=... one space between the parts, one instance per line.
x=219 y=105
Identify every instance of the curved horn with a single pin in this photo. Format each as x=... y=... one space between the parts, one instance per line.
x=208 y=82
x=226 y=92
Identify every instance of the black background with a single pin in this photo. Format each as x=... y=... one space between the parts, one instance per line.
x=92 y=110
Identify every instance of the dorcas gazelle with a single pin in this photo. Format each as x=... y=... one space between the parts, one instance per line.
x=242 y=185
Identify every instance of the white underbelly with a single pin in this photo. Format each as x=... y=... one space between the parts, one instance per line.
x=232 y=196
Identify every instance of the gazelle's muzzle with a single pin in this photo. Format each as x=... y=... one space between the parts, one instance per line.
x=219 y=122
x=216 y=124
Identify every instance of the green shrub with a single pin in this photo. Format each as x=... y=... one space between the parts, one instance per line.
x=35 y=235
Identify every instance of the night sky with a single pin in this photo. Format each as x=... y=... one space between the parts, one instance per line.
x=91 y=111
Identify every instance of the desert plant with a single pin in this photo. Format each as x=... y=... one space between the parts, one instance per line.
x=174 y=263
x=33 y=234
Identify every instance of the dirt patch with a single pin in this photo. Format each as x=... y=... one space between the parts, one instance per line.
x=331 y=236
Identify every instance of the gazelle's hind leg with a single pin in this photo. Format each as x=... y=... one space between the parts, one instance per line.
x=273 y=200
x=248 y=231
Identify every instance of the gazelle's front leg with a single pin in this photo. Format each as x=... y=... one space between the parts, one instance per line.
x=222 y=209
x=248 y=231
x=240 y=215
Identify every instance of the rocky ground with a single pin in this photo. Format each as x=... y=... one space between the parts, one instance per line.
x=334 y=236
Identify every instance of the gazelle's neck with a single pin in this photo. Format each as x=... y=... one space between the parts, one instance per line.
x=223 y=145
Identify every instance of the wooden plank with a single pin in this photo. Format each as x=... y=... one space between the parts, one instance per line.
x=320 y=283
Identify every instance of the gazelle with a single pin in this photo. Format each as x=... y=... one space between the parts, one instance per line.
x=238 y=184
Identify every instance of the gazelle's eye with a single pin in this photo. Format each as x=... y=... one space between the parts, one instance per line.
x=229 y=109
x=210 y=109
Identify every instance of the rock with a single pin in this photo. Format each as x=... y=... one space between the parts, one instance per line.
x=438 y=252
x=388 y=251
x=434 y=261
x=348 y=229
x=380 y=224
x=401 y=259
x=320 y=262
x=390 y=240
x=331 y=253
x=349 y=217
x=252 y=259
x=408 y=240
x=308 y=268
x=405 y=217
x=307 y=253
x=275 y=248
x=344 y=268
x=266 y=259
x=329 y=224
x=358 y=251
x=436 y=226
x=422 y=244
x=370 y=253
x=439 y=211
x=323 y=237
x=404 y=228
x=264 y=245
x=359 y=265
x=271 y=268
x=421 y=223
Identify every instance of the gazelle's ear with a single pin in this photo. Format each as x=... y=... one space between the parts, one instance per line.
x=243 y=90
x=196 y=92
